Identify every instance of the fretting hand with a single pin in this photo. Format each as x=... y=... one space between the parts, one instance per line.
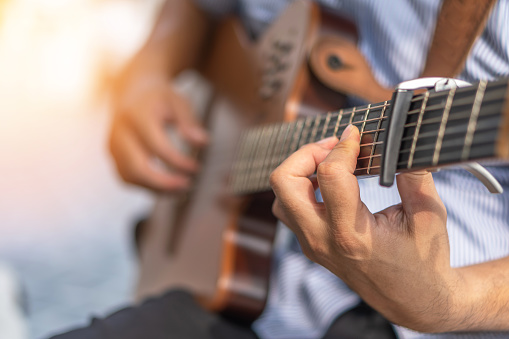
x=397 y=260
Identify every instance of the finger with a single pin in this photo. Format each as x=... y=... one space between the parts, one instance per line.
x=338 y=184
x=417 y=191
x=187 y=124
x=153 y=135
x=291 y=184
x=134 y=164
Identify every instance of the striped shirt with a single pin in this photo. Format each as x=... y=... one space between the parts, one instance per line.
x=394 y=36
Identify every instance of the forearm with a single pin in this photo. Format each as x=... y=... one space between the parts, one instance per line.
x=175 y=43
x=483 y=302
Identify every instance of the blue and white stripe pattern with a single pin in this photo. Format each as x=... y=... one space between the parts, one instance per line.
x=394 y=37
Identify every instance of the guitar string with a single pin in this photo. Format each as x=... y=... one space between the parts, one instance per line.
x=485 y=129
x=417 y=99
x=453 y=117
x=365 y=171
x=431 y=120
x=364 y=121
x=421 y=148
x=413 y=112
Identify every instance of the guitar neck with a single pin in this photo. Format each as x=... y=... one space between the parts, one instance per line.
x=442 y=128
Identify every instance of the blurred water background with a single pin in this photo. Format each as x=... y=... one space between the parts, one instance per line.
x=65 y=218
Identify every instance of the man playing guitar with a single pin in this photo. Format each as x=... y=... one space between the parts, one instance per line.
x=425 y=265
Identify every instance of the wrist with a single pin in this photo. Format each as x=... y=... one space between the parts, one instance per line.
x=484 y=299
x=143 y=72
x=442 y=308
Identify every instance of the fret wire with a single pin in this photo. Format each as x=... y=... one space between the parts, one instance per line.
x=256 y=135
x=245 y=149
x=458 y=103
x=456 y=129
x=258 y=163
x=238 y=163
x=267 y=138
x=271 y=165
x=417 y=111
x=364 y=120
x=466 y=89
x=338 y=123
x=258 y=157
x=441 y=131
x=417 y=129
x=384 y=117
x=401 y=164
x=340 y=116
x=291 y=140
x=419 y=148
x=305 y=131
x=285 y=141
x=295 y=142
x=281 y=135
x=267 y=155
x=325 y=125
x=249 y=150
x=432 y=95
x=351 y=117
x=473 y=119
x=361 y=122
x=456 y=116
x=315 y=128
x=375 y=138
x=455 y=141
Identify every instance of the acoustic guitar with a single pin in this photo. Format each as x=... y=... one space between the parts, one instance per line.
x=270 y=98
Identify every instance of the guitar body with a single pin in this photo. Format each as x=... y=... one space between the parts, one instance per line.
x=210 y=241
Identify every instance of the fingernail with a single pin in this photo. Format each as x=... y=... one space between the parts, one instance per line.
x=346 y=133
x=326 y=140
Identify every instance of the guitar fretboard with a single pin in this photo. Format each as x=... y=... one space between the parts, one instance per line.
x=441 y=128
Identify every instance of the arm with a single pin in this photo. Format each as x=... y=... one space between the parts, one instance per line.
x=145 y=102
x=397 y=260
x=486 y=294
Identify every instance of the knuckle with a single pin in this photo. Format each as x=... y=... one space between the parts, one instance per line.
x=350 y=246
x=275 y=178
x=326 y=169
x=276 y=209
x=308 y=146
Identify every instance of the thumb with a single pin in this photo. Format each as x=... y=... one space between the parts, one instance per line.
x=417 y=191
x=338 y=184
